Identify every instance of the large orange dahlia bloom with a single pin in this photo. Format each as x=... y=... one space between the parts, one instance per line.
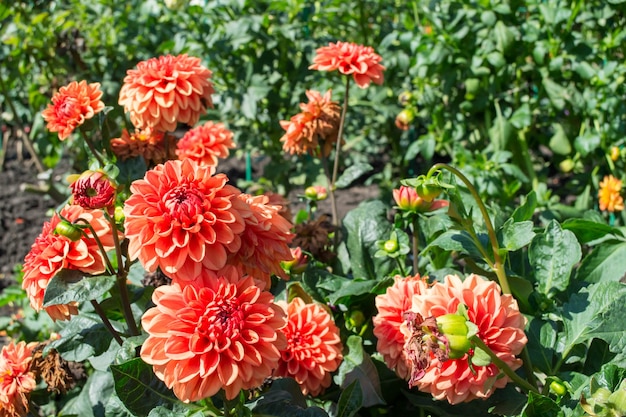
x=205 y=144
x=313 y=346
x=500 y=327
x=163 y=91
x=317 y=124
x=183 y=219
x=221 y=336
x=391 y=306
x=351 y=59
x=16 y=379
x=71 y=106
x=265 y=241
x=609 y=195
x=155 y=147
x=52 y=252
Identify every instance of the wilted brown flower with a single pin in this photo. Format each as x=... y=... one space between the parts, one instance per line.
x=313 y=237
x=55 y=371
x=147 y=143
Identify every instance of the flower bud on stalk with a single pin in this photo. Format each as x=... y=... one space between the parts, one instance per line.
x=316 y=193
x=93 y=190
x=71 y=231
x=454 y=328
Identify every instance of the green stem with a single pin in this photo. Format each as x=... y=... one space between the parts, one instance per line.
x=528 y=367
x=110 y=269
x=498 y=264
x=400 y=267
x=522 y=383
x=342 y=121
x=106 y=322
x=331 y=194
x=416 y=242
x=92 y=148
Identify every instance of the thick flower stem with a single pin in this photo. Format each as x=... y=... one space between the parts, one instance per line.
x=105 y=320
x=522 y=383
x=416 y=242
x=92 y=148
x=331 y=194
x=110 y=269
x=498 y=264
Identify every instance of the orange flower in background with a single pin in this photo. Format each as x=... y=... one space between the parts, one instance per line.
x=265 y=240
x=500 y=327
x=205 y=144
x=391 y=306
x=71 y=106
x=16 y=380
x=225 y=335
x=161 y=92
x=155 y=147
x=318 y=122
x=183 y=219
x=609 y=194
x=351 y=59
x=313 y=349
x=51 y=252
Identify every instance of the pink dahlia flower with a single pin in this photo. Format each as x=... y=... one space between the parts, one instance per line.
x=500 y=327
x=313 y=349
x=221 y=336
x=16 y=380
x=265 y=240
x=163 y=91
x=52 y=252
x=351 y=59
x=183 y=219
x=391 y=306
x=205 y=144
x=71 y=106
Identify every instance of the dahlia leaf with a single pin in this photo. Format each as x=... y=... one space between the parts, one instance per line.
x=458 y=241
x=353 y=173
x=541 y=406
x=541 y=339
x=358 y=365
x=604 y=263
x=82 y=338
x=552 y=255
x=587 y=230
x=351 y=400
x=93 y=397
x=526 y=210
x=63 y=288
x=139 y=389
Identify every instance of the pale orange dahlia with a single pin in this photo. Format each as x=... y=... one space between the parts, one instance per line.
x=317 y=124
x=391 y=307
x=221 y=336
x=265 y=241
x=500 y=327
x=16 y=379
x=313 y=349
x=351 y=59
x=71 y=106
x=609 y=194
x=183 y=219
x=51 y=252
x=155 y=147
x=164 y=91
x=205 y=144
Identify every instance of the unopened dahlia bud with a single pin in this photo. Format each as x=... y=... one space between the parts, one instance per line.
x=93 y=190
x=404 y=119
x=69 y=230
x=316 y=193
x=454 y=328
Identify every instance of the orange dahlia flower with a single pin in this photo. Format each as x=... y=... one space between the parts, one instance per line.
x=93 y=190
x=265 y=241
x=205 y=144
x=183 y=219
x=163 y=91
x=53 y=252
x=155 y=147
x=318 y=121
x=500 y=327
x=609 y=194
x=71 y=106
x=351 y=59
x=16 y=380
x=391 y=306
x=221 y=336
x=313 y=346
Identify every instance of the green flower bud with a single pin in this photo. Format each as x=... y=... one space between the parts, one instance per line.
x=454 y=328
x=558 y=388
x=390 y=246
x=69 y=230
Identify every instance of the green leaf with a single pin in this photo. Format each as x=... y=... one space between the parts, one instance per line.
x=352 y=173
x=587 y=143
x=284 y=399
x=365 y=225
x=522 y=117
x=552 y=255
x=609 y=325
x=63 y=288
x=541 y=406
x=139 y=389
x=352 y=288
x=541 y=341
x=457 y=240
x=559 y=143
x=93 y=397
x=83 y=337
x=350 y=400
x=357 y=365
x=558 y=95
x=504 y=36
x=516 y=235
x=501 y=132
x=605 y=263
x=588 y=230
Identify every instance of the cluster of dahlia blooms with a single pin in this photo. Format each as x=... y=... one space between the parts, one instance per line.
x=16 y=379
x=415 y=339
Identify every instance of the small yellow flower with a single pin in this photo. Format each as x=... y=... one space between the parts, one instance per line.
x=609 y=194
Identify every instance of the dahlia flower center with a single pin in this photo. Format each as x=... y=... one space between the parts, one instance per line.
x=185 y=204
x=67 y=108
x=221 y=323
